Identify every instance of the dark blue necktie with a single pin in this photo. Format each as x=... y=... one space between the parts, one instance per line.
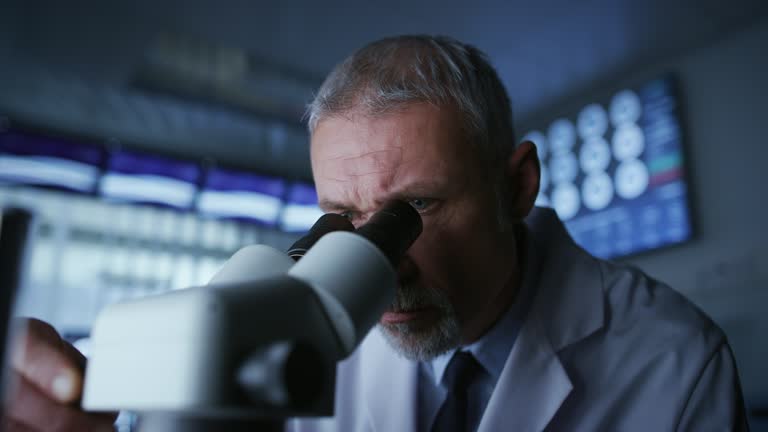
x=462 y=370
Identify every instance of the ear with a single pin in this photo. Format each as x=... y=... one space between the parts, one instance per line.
x=522 y=175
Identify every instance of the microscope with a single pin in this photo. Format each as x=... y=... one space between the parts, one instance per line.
x=260 y=342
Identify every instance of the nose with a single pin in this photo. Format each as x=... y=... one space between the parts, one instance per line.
x=406 y=269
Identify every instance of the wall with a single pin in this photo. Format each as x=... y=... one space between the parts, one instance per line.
x=725 y=90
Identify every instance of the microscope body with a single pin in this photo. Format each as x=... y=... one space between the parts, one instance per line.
x=262 y=338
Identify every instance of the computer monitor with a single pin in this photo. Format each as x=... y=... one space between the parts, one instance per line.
x=240 y=195
x=138 y=177
x=613 y=170
x=35 y=159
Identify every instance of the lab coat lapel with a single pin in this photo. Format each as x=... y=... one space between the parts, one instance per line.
x=568 y=307
x=390 y=387
x=531 y=388
x=570 y=296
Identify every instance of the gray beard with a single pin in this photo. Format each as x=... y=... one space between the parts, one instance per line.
x=420 y=343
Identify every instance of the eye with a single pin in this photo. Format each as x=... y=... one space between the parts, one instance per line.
x=420 y=204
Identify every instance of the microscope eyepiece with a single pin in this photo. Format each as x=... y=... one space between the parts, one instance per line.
x=393 y=229
x=328 y=222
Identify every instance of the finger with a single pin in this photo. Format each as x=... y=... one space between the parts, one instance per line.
x=74 y=354
x=40 y=357
x=32 y=408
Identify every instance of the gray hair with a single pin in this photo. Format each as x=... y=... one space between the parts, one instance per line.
x=394 y=72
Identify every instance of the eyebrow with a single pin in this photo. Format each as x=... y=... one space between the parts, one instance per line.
x=331 y=205
x=419 y=189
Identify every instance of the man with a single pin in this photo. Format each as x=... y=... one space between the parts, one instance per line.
x=500 y=321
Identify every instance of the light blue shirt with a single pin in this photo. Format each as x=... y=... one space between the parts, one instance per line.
x=491 y=351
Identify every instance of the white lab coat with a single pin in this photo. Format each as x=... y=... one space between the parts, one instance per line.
x=604 y=348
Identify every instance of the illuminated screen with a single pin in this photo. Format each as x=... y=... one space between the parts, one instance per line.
x=613 y=171
x=241 y=195
x=301 y=210
x=39 y=160
x=149 y=179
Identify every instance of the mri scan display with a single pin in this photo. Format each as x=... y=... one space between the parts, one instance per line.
x=613 y=170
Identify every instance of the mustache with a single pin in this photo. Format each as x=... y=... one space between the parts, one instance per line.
x=412 y=296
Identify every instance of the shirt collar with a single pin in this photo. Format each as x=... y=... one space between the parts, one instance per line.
x=493 y=348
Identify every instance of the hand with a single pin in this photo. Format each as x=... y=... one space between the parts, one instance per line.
x=45 y=384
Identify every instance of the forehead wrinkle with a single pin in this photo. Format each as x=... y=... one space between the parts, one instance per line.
x=345 y=168
x=367 y=194
x=361 y=181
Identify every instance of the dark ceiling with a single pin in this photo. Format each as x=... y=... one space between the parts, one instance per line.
x=544 y=51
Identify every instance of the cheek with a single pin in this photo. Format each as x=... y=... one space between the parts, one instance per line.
x=455 y=258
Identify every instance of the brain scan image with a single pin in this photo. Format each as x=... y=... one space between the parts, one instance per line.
x=595 y=155
x=592 y=122
x=597 y=191
x=565 y=200
x=563 y=168
x=625 y=108
x=562 y=136
x=628 y=142
x=631 y=179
